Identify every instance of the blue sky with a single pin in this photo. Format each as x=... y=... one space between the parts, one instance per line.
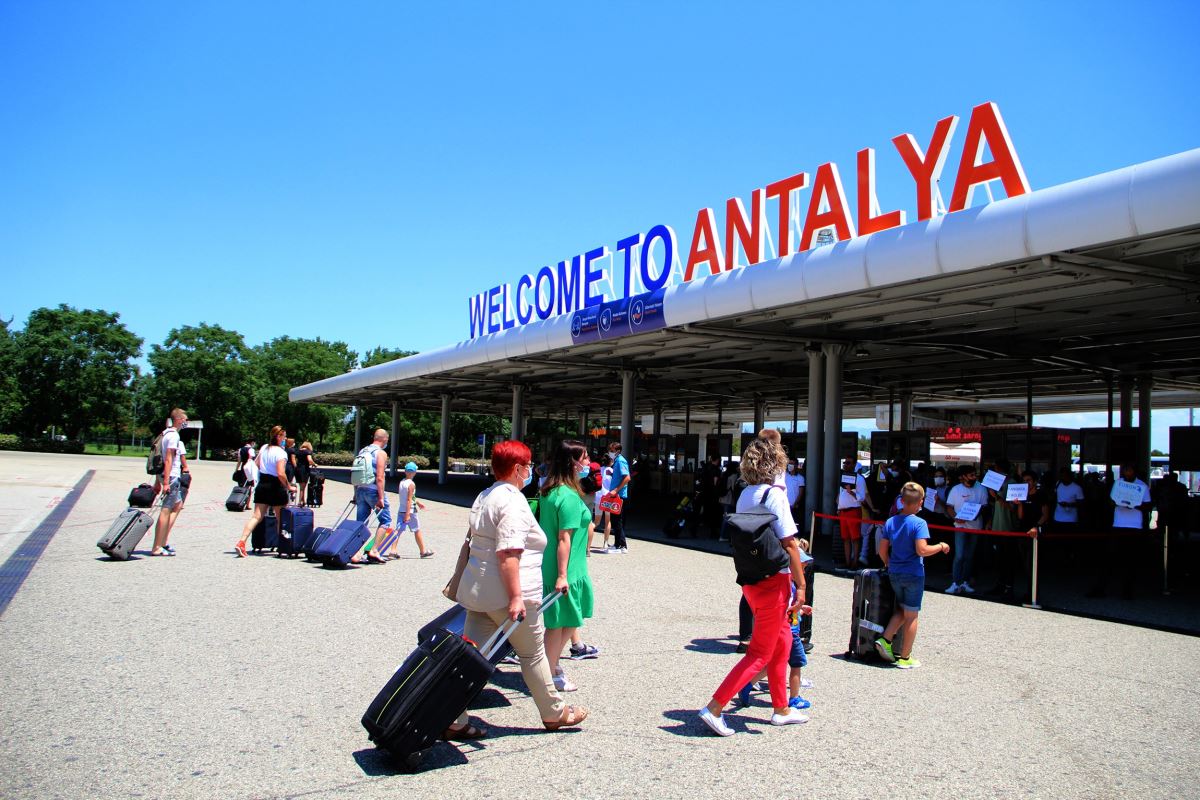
x=273 y=168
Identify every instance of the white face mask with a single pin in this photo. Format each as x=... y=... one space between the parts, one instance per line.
x=939 y=481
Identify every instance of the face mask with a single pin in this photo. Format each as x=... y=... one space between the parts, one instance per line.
x=939 y=481
x=528 y=479
x=183 y=425
x=584 y=472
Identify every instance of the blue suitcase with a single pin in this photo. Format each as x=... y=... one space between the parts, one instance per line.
x=321 y=534
x=265 y=535
x=342 y=543
x=296 y=524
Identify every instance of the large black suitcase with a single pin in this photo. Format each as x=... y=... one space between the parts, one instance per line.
x=239 y=498
x=433 y=686
x=126 y=532
x=806 y=620
x=874 y=602
x=316 y=489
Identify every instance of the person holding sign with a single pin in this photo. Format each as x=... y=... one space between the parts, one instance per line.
x=852 y=494
x=1005 y=518
x=965 y=504
x=1130 y=497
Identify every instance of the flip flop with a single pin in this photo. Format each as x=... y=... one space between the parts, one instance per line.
x=465 y=734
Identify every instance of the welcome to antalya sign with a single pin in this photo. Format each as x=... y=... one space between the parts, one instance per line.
x=585 y=284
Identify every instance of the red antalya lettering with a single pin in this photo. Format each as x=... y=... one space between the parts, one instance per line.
x=926 y=168
x=987 y=127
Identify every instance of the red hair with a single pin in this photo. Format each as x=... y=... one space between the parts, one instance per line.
x=507 y=456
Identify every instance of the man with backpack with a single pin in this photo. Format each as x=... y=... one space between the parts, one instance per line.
x=166 y=461
x=366 y=476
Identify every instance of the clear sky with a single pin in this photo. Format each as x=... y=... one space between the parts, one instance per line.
x=274 y=168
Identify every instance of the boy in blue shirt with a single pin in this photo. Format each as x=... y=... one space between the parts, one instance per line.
x=903 y=546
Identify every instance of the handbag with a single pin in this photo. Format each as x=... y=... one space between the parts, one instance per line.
x=450 y=591
x=612 y=505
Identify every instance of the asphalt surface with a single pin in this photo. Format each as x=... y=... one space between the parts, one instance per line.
x=205 y=676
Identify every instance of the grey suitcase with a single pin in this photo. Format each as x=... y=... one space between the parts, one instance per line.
x=125 y=533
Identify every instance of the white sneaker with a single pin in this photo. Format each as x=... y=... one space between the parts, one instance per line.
x=805 y=683
x=793 y=717
x=563 y=683
x=613 y=550
x=952 y=589
x=715 y=723
x=624 y=550
x=966 y=588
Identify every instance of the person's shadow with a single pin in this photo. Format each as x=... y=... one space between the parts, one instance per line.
x=688 y=724
x=377 y=763
x=720 y=646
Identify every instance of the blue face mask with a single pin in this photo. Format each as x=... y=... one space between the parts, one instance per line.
x=584 y=472
x=528 y=479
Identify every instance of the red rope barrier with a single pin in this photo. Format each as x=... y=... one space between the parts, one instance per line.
x=1120 y=532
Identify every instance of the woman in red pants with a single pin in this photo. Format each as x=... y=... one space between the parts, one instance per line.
x=770 y=599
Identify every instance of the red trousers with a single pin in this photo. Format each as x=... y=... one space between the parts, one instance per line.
x=770 y=643
x=850 y=520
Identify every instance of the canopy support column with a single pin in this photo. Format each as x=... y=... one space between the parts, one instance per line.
x=392 y=446
x=444 y=442
x=834 y=356
x=1145 y=387
x=518 y=412
x=628 y=390
x=816 y=427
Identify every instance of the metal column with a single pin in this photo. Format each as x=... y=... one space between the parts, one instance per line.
x=444 y=442
x=795 y=418
x=687 y=417
x=816 y=427
x=834 y=355
x=906 y=411
x=1126 y=386
x=392 y=444
x=658 y=412
x=583 y=431
x=628 y=389
x=358 y=421
x=1145 y=387
x=720 y=417
x=518 y=413
x=760 y=414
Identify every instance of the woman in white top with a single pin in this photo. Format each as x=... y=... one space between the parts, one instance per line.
x=272 y=489
x=601 y=516
x=771 y=599
x=503 y=581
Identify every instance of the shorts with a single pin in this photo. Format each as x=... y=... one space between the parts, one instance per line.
x=797 y=657
x=909 y=590
x=413 y=523
x=850 y=523
x=173 y=496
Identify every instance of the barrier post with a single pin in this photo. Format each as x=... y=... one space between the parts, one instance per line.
x=1166 y=548
x=1033 y=578
x=812 y=532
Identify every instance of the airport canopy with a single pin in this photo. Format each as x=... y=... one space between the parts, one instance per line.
x=1070 y=287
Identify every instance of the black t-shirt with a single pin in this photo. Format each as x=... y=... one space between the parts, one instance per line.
x=288 y=468
x=302 y=468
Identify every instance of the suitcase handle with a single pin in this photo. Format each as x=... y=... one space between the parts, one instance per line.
x=498 y=639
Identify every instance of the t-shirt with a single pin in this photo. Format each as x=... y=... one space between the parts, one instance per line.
x=170 y=442
x=855 y=499
x=903 y=531
x=1129 y=517
x=776 y=502
x=959 y=496
x=1068 y=493
x=794 y=484
x=408 y=493
x=271 y=456
x=500 y=519
x=620 y=471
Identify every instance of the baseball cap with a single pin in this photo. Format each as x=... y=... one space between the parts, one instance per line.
x=410 y=467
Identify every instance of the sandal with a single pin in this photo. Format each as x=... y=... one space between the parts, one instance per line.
x=466 y=733
x=374 y=559
x=571 y=717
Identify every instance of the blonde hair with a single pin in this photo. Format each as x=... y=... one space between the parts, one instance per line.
x=306 y=446
x=912 y=494
x=762 y=461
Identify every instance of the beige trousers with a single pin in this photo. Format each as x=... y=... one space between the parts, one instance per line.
x=528 y=640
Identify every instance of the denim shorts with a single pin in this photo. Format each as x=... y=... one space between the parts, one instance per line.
x=797 y=658
x=173 y=496
x=909 y=590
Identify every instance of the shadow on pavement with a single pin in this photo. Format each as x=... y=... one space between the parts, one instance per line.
x=379 y=763
x=713 y=646
x=690 y=726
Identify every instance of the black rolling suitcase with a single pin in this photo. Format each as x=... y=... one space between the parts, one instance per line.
x=124 y=535
x=239 y=498
x=453 y=620
x=806 y=622
x=265 y=535
x=316 y=489
x=432 y=687
x=873 y=605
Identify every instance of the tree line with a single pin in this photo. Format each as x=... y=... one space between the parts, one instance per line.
x=76 y=371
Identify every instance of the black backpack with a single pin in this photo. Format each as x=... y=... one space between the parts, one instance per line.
x=757 y=553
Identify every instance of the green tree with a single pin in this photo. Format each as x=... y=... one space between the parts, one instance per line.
x=286 y=362
x=11 y=398
x=77 y=364
x=206 y=371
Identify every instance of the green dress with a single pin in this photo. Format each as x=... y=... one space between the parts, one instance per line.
x=563 y=509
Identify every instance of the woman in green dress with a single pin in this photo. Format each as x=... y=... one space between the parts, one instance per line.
x=565 y=518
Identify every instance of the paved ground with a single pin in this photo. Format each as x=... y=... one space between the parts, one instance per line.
x=203 y=676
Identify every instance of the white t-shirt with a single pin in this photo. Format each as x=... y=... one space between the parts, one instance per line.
x=407 y=491
x=794 y=484
x=251 y=470
x=960 y=495
x=1129 y=517
x=170 y=442
x=855 y=499
x=1070 y=493
x=270 y=457
x=776 y=502
x=501 y=520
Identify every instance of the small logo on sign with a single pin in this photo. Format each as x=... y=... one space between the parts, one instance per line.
x=605 y=319
x=637 y=312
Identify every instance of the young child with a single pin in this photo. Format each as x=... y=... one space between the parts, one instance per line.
x=797 y=659
x=407 y=512
x=903 y=547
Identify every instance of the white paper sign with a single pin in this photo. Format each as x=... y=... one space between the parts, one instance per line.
x=931 y=500
x=968 y=512
x=850 y=480
x=993 y=480
x=1127 y=494
x=1018 y=492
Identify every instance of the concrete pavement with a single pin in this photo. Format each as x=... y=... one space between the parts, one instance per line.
x=205 y=676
